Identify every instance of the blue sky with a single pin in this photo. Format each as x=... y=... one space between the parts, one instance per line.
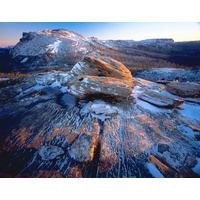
x=11 y=32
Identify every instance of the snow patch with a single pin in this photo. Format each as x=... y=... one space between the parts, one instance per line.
x=54 y=47
x=24 y=60
x=190 y=110
x=154 y=171
x=99 y=109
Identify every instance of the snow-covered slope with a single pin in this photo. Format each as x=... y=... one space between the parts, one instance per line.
x=54 y=42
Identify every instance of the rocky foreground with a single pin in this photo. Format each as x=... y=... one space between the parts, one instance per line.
x=99 y=121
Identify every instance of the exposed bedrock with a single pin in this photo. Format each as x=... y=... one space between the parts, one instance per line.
x=84 y=86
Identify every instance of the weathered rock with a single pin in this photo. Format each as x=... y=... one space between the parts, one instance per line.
x=166 y=171
x=190 y=161
x=103 y=108
x=102 y=66
x=185 y=173
x=83 y=86
x=162 y=148
x=184 y=89
x=50 y=152
x=82 y=150
x=160 y=100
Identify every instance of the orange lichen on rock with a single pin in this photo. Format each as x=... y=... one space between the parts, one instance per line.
x=154 y=124
x=166 y=171
x=194 y=128
x=45 y=174
x=56 y=132
x=17 y=139
x=108 y=152
x=75 y=172
x=167 y=124
x=71 y=136
x=39 y=139
x=66 y=131
x=143 y=143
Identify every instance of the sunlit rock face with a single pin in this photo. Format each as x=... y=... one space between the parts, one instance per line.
x=84 y=86
x=184 y=89
x=139 y=140
x=102 y=66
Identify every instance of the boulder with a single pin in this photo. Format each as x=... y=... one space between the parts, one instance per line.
x=190 y=161
x=84 y=86
x=160 y=100
x=82 y=150
x=184 y=89
x=102 y=66
x=163 y=147
x=50 y=152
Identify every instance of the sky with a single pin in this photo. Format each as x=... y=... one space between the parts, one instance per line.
x=11 y=32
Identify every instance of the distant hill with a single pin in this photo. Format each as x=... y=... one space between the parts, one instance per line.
x=61 y=49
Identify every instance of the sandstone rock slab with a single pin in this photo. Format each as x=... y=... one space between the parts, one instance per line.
x=83 y=86
x=184 y=89
x=160 y=100
x=102 y=66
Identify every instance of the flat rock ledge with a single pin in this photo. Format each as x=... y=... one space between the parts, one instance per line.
x=84 y=86
x=160 y=100
x=184 y=89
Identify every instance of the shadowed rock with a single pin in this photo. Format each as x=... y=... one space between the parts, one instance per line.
x=185 y=173
x=162 y=148
x=160 y=100
x=50 y=152
x=166 y=171
x=83 y=86
x=162 y=82
x=190 y=161
x=184 y=89
x=102 y=66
